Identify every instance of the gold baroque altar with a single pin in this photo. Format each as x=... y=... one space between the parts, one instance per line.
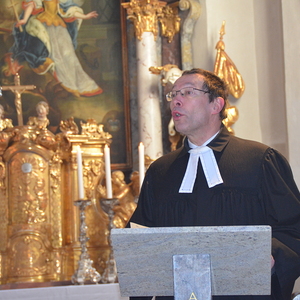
x=39 y=223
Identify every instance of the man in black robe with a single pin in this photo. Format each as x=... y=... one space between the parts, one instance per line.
x=217 y=179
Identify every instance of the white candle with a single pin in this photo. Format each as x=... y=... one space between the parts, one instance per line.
x=108 y=172
x=141 y=162
x=79 y=173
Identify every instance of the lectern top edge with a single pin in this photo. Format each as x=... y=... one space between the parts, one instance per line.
x=184 y=229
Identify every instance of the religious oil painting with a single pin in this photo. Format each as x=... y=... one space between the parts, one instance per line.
x=74 y=53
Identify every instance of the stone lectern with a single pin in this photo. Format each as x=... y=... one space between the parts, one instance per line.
x=193 y=262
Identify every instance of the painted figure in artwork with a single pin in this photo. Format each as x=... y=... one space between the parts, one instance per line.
x=47 y=41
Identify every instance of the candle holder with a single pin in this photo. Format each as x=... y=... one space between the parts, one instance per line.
x=85 y=271
x=110 y=273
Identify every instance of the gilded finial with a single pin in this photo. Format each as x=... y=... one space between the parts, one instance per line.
x=222 y=30
x=226 y=69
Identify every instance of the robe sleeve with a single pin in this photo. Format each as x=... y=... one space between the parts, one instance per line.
x=143 y=214
x=282 y=199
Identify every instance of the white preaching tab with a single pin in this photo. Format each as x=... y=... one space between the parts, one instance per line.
x=210 y=168
x=209 y=164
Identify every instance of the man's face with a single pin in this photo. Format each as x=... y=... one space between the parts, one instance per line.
x=191 y=114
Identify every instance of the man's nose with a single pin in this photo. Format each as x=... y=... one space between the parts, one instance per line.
x=177 y=100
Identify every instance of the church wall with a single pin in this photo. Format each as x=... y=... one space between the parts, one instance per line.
x=262 y=40
x=291 y=37
x=270 y=73
x=239 y=42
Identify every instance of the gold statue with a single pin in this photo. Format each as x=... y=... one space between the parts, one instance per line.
x=123 y=192
x=41 y=121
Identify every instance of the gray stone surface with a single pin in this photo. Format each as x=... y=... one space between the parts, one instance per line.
x=192 y=276
x=240 y=258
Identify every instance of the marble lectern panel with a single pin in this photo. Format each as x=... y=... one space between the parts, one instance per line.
x=240 y=258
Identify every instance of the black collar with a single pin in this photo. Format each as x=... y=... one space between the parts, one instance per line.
x=217 y=144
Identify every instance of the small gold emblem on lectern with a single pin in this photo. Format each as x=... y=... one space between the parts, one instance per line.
x=193 y=297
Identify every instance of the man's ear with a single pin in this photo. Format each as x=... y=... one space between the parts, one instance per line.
x=218 y=105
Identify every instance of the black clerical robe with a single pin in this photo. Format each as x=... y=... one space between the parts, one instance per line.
x=258 y=189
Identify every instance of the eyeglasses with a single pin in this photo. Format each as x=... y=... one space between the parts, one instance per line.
x=185 y=92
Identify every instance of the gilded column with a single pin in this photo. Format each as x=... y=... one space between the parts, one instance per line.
x=145 y=15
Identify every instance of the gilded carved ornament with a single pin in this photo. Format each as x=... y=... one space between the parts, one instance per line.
x=226 y=69
x=170 y=22
x=94 y=130
x=145 y=15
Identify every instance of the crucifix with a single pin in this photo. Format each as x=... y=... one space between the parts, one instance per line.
x=13 y=6
x=18 y=89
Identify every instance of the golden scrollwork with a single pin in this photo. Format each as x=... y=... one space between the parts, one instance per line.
x=55 y=176
x=145 y=15
x=6 y=134
x=28 y=190
x=5 y=123
x=5 y=131
x=68 y=126
x=232 y=117
x=94 y=130
x=29 y=250
x=93 y=173
x=170 y=22
x=2 y=176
